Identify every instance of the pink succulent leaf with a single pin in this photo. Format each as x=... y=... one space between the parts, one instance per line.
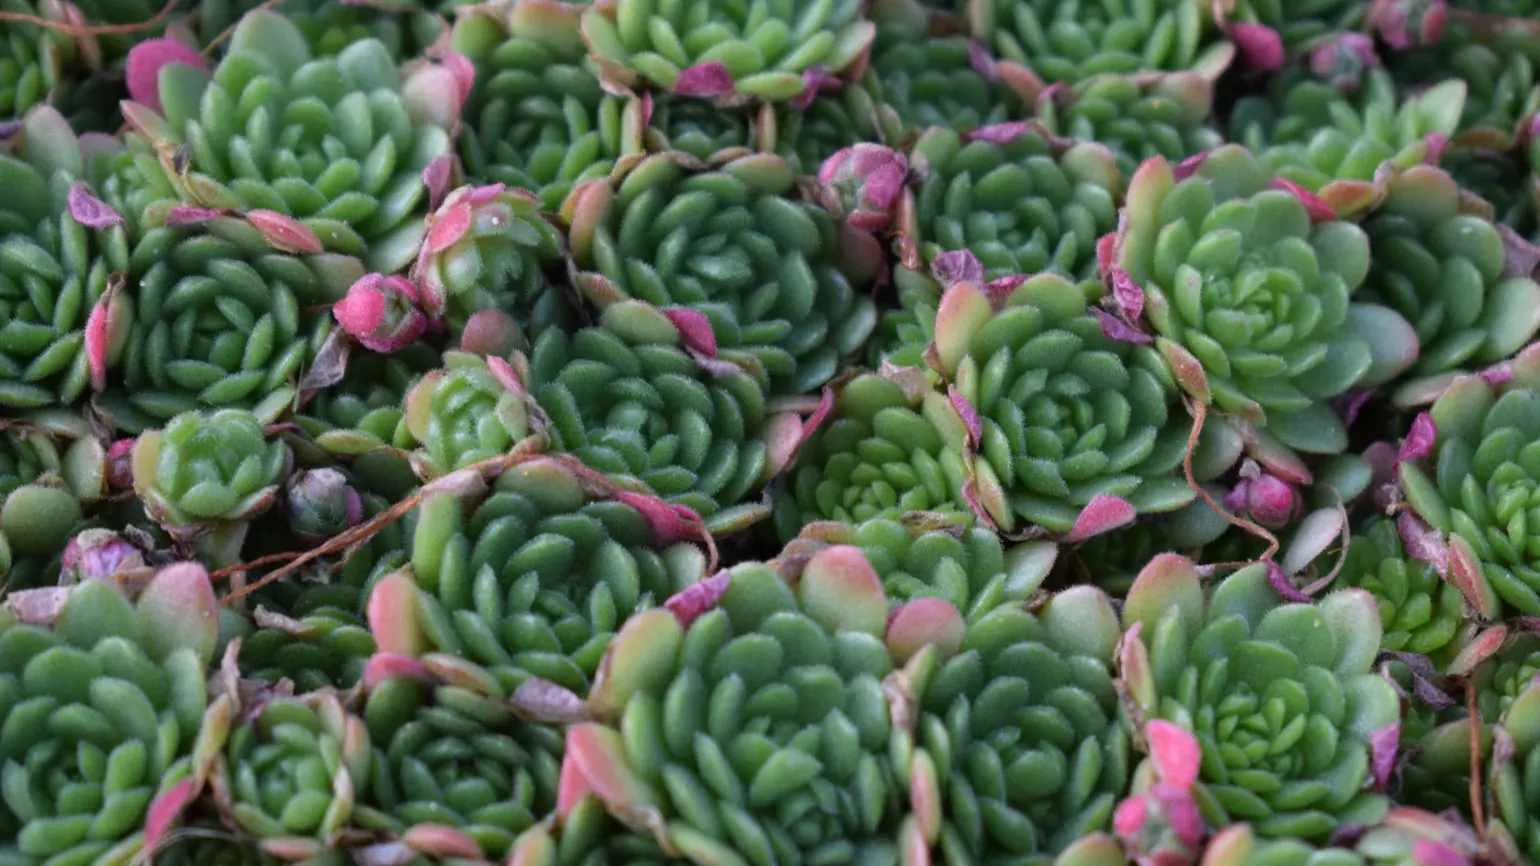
x=665 y=523
x=285 y=233
x=1315 y=206
x=1428 y=852
x=1349 y=404
x=189 y=215
x=816 y=79
x=831 y=166
x=1181 y=812
x=382 y=312
x=505 y=374
x=1259 y=46
x=1114 y=328
x=483 y=194
x=436 y=178
x=546 y=702
x=1419 y=440
x=1129 y=819
x=383 y=666
x=1282 y=585
x=1341 y=61
x=884 y=183
x=1106 y=252
x=1235 y=500
x=166 y=810
x=646 y=103
x=1436 y=142
x=464 y=72
x=957 y=266
x=1498 y=374
x=450 y=224
x=1102 y=514
x=704 y=79
x=1382 y=745
x=694 y=329
x=97 y=339
x=120 y=466
x=999 y=133
x=981 y=61
x=1175 y=752
x=695 y=600
x=1423 y=542
x=90 y=211
x=1128 y=294
x=1269 y=500
x=1189 y=166
x=142 y=69
x=968 y=414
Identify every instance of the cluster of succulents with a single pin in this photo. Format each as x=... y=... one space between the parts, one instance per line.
x=760 y=432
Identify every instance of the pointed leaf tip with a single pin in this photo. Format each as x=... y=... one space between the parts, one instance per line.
x=1419 y=439
x=166 y=810
x=1102 y=514
x=1383 y=744
x=285 y=233
x=694 y=330
x=688 y=604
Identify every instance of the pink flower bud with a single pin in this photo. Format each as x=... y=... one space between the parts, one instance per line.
x=868 y=180
x=98 y=554
x=383 y=313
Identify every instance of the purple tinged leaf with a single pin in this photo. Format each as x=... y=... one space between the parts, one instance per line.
x=1315 y=206
x=1419 y=439
x=436 y=178
x=694 y=330
x=1436 y=142
x=166 y=810
x=1128 y=294
x=1520 y=257
x=704 y=79
x=1102 y=514
x=8 y=129
x=1114 y=328
x=90 y=211
x=1189 y=166
x=1348 y=404
x=968 y=414
x=1382 y=744
x=1260 y=46
x=1430 y=694
x=384 y=313
x=1423 y=542
x=1181 y=812
x=981 y=61
x=1282 y=585
x=690 y=603
x=999 y=133
x=189 y=215
x=957 y=266
x=816 y=79
x=1341 y=60
x=385 y=665
x=285 y=233
x=1427 y=852
x=970 y=492
x=545 y=702
x=1107 y=251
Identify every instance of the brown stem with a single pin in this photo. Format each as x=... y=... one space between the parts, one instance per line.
x=1475 y=760
x=270 y=559
x=1199 y=416
x=99 y=30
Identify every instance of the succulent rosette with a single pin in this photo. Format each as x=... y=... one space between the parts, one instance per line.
x=339 y=144
x=456 y=775
x=702 y=129
x=1043 y=42
x=1019 y=200
x=1450 y=273
x=764 y=51
x=1466 y=474
x=637 y=399
x=60 y=249
x=1064 y=427
x=1420 y=611
x=723 y=736
x=537 y=579
x=881 y=454
x=538 y=118
x=774 y=275
x=1248 y=284
x=1137 y=116
x=39 y=61
x=1031 y=757
x=103 y=713
x=473 y=409
x=1293 y=727
x=1499 y=73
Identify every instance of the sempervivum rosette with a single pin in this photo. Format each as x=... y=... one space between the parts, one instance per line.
x=1295 y=731
x=537 y=118
x=701 y=128
x=1019 y=748
x=1421 y=612
x=1063 y=426
x=457 y=773
x=337 y=143
x=537 y=578
x=1043 y=41
x=773 y=274
x=881 y=454
x=59 y=251
x=229 y=314
x=723 y=723
x=1469 y=472
x=102 y=716
x=773 y=51
x=1248 y=283
x=473 y=409
x=1018 y=199
x=1462 y=281
x=1138 y=116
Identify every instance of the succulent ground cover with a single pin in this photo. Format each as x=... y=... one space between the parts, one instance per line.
x=769 y=432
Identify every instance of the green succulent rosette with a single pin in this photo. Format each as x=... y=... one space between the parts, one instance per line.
x=1137 y=116
x=905 y=328
x=1450 y=273
x=807 y=135
x=41 y=64
x=1468 y=473
x=330 y=26
x=1019 y=748
x=536 y=580
x=1018 y=199
x=538 y=118
x=1498 y=70
x=774 y=275
x=1293 y=727
x=455 y=771
x=103 y=713
x=1042 y=42
x=754 y=50
x=1420 y=612
x=723 y=722
x=881 y=454
x=702 y=129
x=339 y=144
x=1247 y=281
x=472 y=409
x=1062 y=426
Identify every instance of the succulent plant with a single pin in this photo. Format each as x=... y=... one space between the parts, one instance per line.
x=807 y=135
x=1041 y=41
x=1031 y=756
x=700 y=128
x=1291 y=723
x=455 y=772
x=38 y=63
x=103 y=712
x=1247 y=282
x=768 y=51
x=338 y=143
x=1296 y=26
x=1137 y=116
x=1419 y=611
x=1500 y=80
x=473 y=409
x=1465 y=473
x=1019 y=201
x=881 y=455
x=1449 y=273
x=1067 y=422
x=724 y=737
x=536 y=580
x=1513 y=783
x=771 y=273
